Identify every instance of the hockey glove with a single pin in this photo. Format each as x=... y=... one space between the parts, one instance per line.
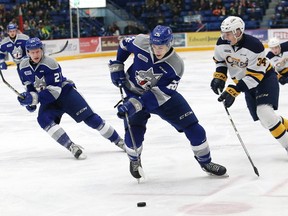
x=132 y=106
x=117 y=72
x=3 y=66
x=229 y=95
x=31 y=108
x=28 y=98
x=218 y=82
x=283 y=79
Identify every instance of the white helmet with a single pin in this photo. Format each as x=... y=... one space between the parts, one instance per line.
x=273 y=42
x=231 y=24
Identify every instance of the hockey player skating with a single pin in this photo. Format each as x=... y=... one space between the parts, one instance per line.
x=150 y=84
x=244 y=57
x=57 y=95
x=278 y=56
x=13 y=44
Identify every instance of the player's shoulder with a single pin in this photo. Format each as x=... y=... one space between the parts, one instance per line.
x=5 y=40
x=270 y=55
x=49 y=62
x=24 y=63
x=284 y=46
x=252 y=43
x=141 y=40
x=22 y=36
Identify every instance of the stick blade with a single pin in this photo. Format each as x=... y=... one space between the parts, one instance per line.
x=256 y=171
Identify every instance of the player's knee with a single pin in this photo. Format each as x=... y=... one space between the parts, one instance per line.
x=267 y=116
x=94 y=121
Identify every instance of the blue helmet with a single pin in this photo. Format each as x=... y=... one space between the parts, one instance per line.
x=161 y=35
x=33 y=43
x=11 y=26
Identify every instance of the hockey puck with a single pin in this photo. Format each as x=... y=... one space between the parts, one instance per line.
x=141 y=204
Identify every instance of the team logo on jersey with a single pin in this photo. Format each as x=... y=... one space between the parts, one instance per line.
x=236 y=62
x=40 y=83
x=17 y=52
x=147 y=79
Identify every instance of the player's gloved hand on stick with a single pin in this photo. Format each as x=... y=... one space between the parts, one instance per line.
x=131 y=106
x=117 y=72
x=31 y=108
x=229 y=95
x=28 y=98
x=3 y=66
x=218 y=82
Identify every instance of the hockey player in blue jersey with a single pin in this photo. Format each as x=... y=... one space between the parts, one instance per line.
x=150 y=84
x=57 y=95
x=244 y=57
x=13 y=44
x=278 y=56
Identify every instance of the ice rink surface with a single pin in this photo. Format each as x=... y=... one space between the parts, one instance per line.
x=40 y=178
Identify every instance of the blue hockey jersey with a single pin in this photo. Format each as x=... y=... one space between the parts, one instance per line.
x=45 y=78
x=152 y=79
x=16 y=48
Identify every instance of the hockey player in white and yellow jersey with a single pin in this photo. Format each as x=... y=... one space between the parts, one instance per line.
x=278 y=56
x=244 y=57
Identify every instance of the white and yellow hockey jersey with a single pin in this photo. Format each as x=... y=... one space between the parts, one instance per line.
x=246 y=61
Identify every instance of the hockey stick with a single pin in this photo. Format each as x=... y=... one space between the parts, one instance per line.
x=239 y=137
x=11 y=87
x=61 y=50
x=140 y=170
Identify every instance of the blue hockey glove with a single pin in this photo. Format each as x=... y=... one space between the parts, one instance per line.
x=117 y=72
x=31 y=108
x=3 y=66
x=132 y=106
x=218 y=82
x=28 y=98
x=229 y=95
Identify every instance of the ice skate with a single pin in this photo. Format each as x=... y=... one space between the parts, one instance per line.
x=214 y=169
x=121 y=144
x=136 y=169
x=76 y=150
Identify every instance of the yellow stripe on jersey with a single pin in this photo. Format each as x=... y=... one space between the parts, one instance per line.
x=284 y=71
x=258 y=75
x=278 y=130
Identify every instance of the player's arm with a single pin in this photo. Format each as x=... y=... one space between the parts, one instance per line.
x=3 y=65
x=116 y=67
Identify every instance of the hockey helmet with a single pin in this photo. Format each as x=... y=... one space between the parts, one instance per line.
x=161 y=35
x=33 y=43
x=11 y=26
x=273 y=42
x=232 y=24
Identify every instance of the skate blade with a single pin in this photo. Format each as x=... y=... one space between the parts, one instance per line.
x=217 y=176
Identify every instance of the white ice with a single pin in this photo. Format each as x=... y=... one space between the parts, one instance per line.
x=40 y=178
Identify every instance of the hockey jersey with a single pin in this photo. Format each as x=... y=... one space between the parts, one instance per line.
x=152 y=79
x=246 y=61
x=45 y=78
x=16 y=48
